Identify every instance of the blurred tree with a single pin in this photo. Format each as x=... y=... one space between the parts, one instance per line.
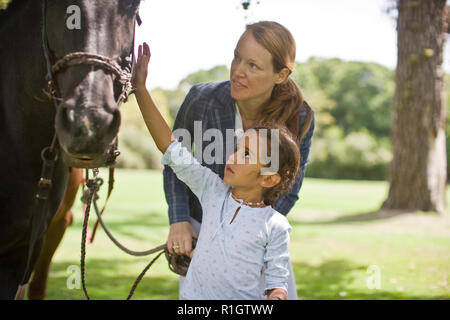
x=314 y=94
x=352 y=103
x=418 y=169
x=362 y=93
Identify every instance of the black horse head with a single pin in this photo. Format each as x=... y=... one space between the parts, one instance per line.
x=91 y=60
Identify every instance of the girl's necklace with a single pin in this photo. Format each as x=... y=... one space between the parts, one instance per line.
x=250 y=204
x=242 y=202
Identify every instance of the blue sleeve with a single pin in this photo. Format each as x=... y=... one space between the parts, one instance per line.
x=285 y=203
x=176 y=192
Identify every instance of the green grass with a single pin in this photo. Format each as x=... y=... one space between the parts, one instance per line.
x=337 y=234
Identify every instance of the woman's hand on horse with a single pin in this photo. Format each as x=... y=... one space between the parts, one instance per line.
x=140 y=68
x=180 y=237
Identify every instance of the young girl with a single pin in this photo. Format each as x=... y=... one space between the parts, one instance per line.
x=242 y=237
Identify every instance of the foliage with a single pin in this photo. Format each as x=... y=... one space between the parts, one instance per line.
x=362 y=93
x=358 y=155
x=352 y=104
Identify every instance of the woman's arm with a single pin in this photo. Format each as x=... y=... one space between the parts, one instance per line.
x=156 y=124
x=175 y=190
x=177 y=194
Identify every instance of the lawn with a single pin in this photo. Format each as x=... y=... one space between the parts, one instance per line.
x=340 y=245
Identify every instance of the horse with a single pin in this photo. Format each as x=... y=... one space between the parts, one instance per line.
x=60 y=89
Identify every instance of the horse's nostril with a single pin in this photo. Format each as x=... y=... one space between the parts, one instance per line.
x=66 y=114
x=86 y=131
x=64 y=117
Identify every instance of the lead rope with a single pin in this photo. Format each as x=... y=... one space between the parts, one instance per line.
x=92 y=188
x=177 y=263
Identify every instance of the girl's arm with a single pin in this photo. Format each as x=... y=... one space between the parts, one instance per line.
x=276 y=258
x=201 y=180
x=156 y=124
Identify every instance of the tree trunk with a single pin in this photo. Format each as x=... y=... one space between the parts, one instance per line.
x=418 y=169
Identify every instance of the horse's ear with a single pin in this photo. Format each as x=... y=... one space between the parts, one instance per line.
x=138 y=19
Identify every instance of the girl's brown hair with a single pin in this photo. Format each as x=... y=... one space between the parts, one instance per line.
x=287 y=98
x=288 y=161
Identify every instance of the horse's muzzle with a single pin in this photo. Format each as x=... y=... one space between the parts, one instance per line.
x=105 y=159
x=87 y=135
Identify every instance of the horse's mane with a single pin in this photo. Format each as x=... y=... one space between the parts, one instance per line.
x=8 y=7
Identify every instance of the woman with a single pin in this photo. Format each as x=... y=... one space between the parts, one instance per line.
x=259 y=90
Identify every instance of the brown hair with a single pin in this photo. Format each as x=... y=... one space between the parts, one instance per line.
x=287 y=98
x=288 y=161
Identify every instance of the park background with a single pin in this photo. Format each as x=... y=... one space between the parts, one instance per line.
x=341 y=239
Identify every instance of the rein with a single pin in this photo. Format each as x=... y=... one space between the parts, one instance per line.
x=177 y=263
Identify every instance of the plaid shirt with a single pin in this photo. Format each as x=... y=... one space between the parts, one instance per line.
x=212 y=104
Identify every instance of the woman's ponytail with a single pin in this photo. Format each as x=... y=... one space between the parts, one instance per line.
x=284 y=106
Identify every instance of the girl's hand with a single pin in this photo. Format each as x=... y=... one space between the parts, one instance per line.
x=139 y=74
x=276 y=294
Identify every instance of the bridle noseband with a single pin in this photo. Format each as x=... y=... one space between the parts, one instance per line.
x=99 y=61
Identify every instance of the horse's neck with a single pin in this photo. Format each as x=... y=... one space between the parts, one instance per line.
x=22 y=16
x=20 y=34
x=22 y=71
x=23 y=65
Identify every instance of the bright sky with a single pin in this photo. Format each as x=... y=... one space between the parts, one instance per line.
x=188 y=35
